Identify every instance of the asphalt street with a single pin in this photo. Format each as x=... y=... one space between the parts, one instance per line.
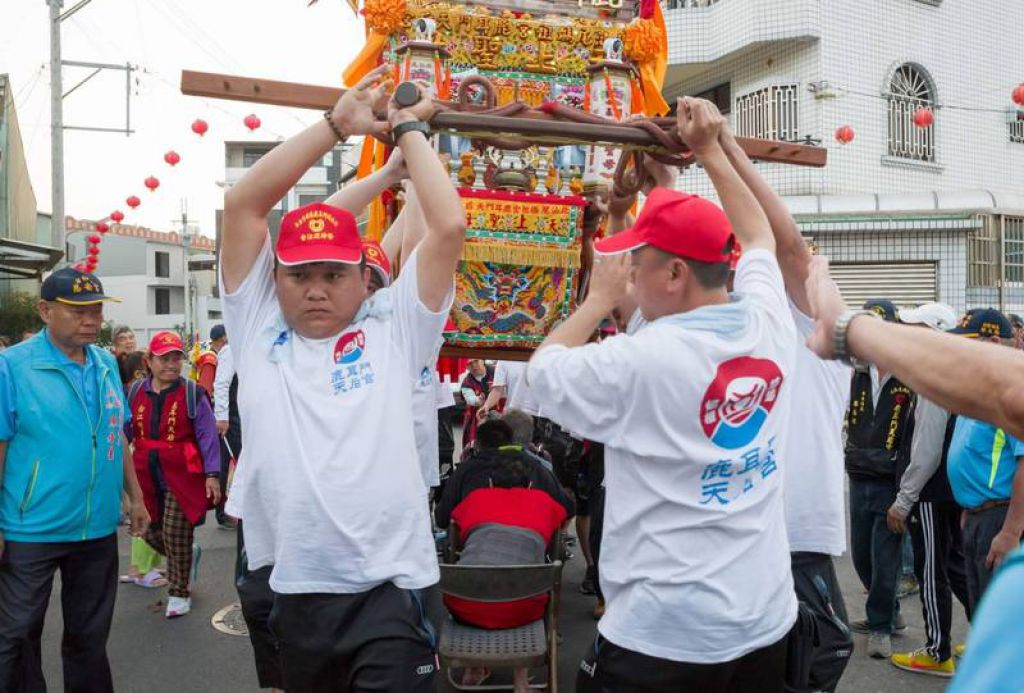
x=150 y=654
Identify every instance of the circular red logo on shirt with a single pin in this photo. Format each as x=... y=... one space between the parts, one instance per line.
x=349 y=348
x=738 y=401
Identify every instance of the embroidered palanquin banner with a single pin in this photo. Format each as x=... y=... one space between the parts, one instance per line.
x=519 y=269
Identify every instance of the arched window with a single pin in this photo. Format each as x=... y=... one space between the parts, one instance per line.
x=910 y=88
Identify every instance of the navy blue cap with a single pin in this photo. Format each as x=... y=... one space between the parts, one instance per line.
x=74 y=287
x=884 y=307
x=984 y=322
x=218 y=332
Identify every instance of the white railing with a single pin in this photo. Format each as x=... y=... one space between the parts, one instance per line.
x=907 y=140
x=1016 y=127
x=770 y=113
x=688 y=4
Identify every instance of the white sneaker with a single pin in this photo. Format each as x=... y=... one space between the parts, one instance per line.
x=178 y=606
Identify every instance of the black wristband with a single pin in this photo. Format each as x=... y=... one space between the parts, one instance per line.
x=412 y=125
x=328 y=114
x=213 y=475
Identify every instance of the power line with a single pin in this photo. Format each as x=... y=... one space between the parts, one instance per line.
x=175 y=89
x=28 y=88
x=940 y=106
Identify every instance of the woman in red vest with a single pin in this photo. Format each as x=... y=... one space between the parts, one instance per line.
x=177 y=459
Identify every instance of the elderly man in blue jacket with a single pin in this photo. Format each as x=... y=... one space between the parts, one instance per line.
x=63 y=465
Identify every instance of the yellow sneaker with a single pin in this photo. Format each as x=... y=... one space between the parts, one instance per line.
x=958 y=650
x=919 y=661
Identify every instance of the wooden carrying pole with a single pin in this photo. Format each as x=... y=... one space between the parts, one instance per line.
x=534 y=125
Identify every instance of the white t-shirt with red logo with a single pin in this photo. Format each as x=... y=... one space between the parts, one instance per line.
x=692 y=410
x=329 y=485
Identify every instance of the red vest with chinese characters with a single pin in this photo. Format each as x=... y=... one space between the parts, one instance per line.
x=165 y=453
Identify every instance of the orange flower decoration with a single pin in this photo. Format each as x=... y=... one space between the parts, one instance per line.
x=643 y=40
x=385 y=16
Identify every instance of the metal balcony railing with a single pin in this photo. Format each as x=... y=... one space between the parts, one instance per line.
x=689 y=4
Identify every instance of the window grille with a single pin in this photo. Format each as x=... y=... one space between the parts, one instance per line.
x=769 y=113
x=909 y=90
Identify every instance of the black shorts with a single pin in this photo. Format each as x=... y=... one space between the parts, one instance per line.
x=257 y=600
x=608 y=668
x=380 y=640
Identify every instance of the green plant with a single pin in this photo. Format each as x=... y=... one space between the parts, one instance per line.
x=19 y=313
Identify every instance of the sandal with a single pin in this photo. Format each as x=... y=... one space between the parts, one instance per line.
x=151 y=580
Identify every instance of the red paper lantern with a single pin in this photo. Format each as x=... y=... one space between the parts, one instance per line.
x=844 y=134
x=117 y=216
x=94 y=239
x=102 y=227
x=93 y=250
x=152 y=183
x=1018 y=94
x=133 y=201
x=172 y=157
x=199 y=126
x=251 y=121
x=923 y=117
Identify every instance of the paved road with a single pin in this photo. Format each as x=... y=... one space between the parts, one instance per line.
x=153 y=655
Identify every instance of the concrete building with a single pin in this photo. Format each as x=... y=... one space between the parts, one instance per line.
x=913 y=213
x=315 y=186
x=146 y=270
x=26 y=249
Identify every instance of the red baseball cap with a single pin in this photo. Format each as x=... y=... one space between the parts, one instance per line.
x=377 y=260
x=318 y=233
x=678 y=223
x=164 y=343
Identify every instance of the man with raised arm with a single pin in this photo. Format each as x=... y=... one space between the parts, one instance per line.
x=692 y=410
x=327 y=496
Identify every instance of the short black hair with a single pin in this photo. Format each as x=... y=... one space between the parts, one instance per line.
x=513 y=472
x=491 y=435
x=710 y=275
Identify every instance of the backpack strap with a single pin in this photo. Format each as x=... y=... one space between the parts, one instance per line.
x=191 y=388
x=134 y=390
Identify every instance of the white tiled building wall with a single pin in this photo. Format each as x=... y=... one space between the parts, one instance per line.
x=971 y=51
x=842 y=55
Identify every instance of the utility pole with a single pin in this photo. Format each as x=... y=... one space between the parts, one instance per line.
x=56 y=126
x=185 y=242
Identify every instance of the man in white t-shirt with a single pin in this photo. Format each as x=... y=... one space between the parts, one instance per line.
x=509 y=385
x=331 y=493
x=813 y=488
x=692 y=410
